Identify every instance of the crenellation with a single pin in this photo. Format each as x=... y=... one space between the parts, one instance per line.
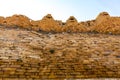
x=104 y=23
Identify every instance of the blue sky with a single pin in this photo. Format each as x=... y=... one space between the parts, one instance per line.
x=60 y=9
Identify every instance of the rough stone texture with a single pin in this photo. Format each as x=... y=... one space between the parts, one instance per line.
x=31 y=55
x=34 y=54
x=1 y=20
x=101 y=17
x=17 y=21
x=104 y=23
x=49 y=24
x=35 y=25
x=72 y=25
x=109 y=26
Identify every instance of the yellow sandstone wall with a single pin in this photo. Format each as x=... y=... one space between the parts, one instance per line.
x=35 y=69
x=49 y=24
x=107 y=24
x=17 y=20
x=1 y=20
x=103 y=23
x=72 y=25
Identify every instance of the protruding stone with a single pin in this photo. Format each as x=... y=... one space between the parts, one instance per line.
x=49 y=24
x=18 y=20
x=48 y=16
x=71 y=24
x=107 y=24
x=71 y=19
x=104 y=14
x=86 y=62
x=101 y=17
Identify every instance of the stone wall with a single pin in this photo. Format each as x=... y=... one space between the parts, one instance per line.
x=109 y=26
x=59 y=69
x=29 y=55
x=103 y=23
x=17 y=20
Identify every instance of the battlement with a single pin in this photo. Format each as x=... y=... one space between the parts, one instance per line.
x=104 y=23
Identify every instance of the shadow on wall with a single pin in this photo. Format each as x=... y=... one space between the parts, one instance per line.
x=103 y=23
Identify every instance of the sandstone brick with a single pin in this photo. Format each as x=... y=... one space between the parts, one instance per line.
x=86 y=62
x=9 y=69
